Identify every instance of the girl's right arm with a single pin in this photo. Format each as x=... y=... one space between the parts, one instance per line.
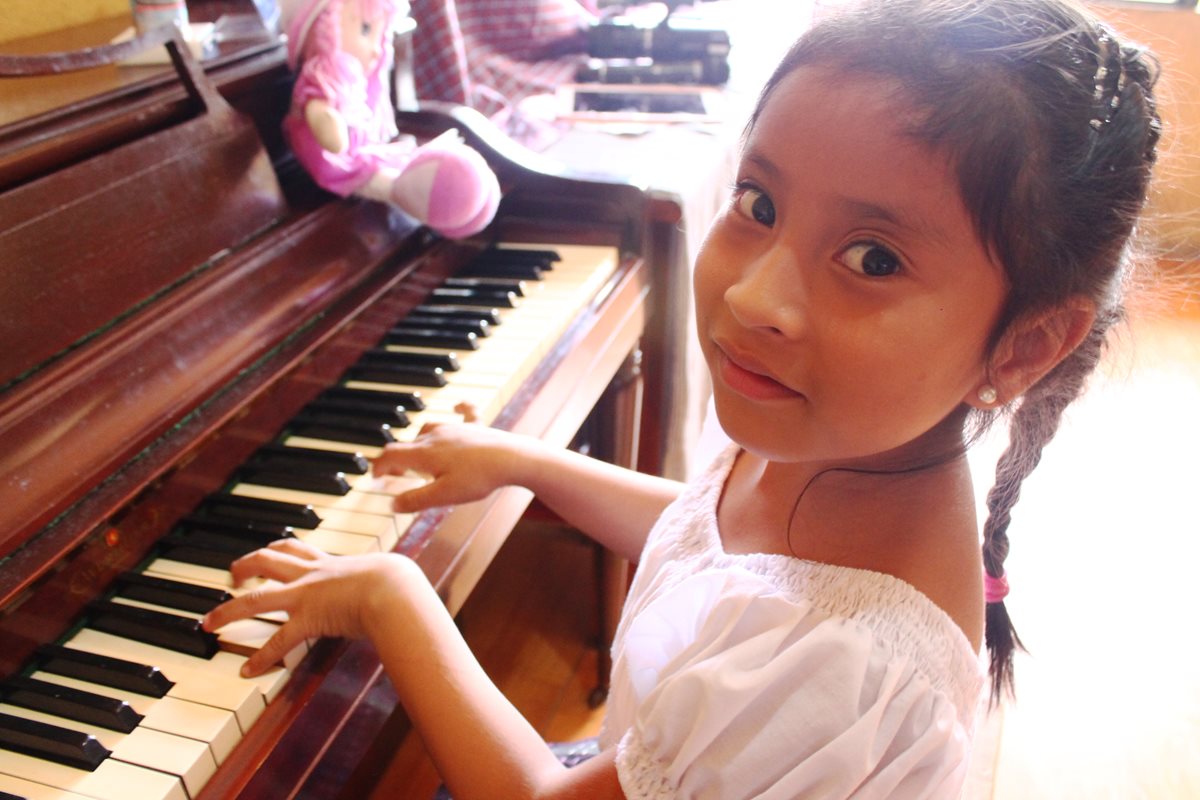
x=479 y=741
x=611 y=504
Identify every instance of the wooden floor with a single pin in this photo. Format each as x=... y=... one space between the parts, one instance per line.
x=532 y=623
x=1105 y=549
x=1103 y=568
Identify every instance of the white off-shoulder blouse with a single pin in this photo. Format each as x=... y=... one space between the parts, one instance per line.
x=738 y=676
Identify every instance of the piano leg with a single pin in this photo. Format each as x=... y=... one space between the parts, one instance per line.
x=617 y=434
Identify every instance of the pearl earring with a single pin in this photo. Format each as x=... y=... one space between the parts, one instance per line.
x=987 y=394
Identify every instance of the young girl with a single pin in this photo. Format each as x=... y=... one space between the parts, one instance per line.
x=930 y=224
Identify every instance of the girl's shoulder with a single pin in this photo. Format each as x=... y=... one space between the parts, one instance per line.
x=687 y=579
x=685 y=567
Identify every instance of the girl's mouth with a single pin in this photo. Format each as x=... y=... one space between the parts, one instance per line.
x=749 y=380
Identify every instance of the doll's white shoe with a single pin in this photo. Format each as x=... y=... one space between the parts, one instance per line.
x=448 y=186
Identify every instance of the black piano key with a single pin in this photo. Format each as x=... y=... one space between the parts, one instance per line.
x=409 y=401
x=262 y=532
x=86 y=708
x=381 y=413
x=340 y=429
x=446 y=362
x=10 y=796
x=332 y=483
x=200 y=556
x=169 y=593
x=488 y=298
x=115 y=673
x=539 y=255
x=511 y=270
x=173 y=632
x=432 y=337
x=481 y=328
x=52 y=743
x=514 y=285
x=489 y=315
x=213 y=547
x=231 y=506
x=308 y=459
x=390 y=373
x=501 y=258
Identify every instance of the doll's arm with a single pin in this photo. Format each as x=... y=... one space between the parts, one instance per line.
x=327 y=124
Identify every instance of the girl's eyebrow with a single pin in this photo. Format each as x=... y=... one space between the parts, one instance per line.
x=903 y=218
x=762 y=162
x=898 y=217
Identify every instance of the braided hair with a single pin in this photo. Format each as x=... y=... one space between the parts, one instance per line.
x=1051 y=126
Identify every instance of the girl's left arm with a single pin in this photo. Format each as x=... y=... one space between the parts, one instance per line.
x=480 y=743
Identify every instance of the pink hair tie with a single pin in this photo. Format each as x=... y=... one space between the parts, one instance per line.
x=995 y=589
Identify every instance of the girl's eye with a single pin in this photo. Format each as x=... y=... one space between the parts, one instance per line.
x=366 y=30
x=751 y=202
x=870 y=259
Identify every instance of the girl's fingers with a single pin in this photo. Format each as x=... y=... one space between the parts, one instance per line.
x=395 y=460
x=298 y=548
x=273 y=652
x=418 y=499
x=465 y=409
x=283 y=563
x=259 y=601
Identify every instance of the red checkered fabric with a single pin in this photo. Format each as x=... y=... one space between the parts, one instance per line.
x=491 y=54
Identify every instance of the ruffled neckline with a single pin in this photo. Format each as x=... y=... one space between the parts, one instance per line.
x=872 y=598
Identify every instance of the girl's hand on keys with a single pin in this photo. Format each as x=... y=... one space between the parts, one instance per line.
x=462 y=463
x=323 y=595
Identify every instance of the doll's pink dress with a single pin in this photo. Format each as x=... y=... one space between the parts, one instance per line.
x=341 y=82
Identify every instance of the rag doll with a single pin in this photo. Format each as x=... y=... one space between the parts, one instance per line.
x=341 y=124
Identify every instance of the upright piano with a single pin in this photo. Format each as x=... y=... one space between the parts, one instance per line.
x=199 y=351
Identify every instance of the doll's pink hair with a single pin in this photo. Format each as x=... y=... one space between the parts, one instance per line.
x=324 y=36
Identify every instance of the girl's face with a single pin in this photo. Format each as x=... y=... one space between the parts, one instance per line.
x=362 y=33
x=843 y=301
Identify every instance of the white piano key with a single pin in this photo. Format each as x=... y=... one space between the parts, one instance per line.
x=487 y=361
x=187 y=759
x=342 y=543
x=112 y=780
x=211 y=577
x=351 y=501
x=174 y=713
x=35 y=791
x=244 y=636
x=353 y=516
x=388 y=486
x=441 y=404
x=216 y=680
x=334 y=446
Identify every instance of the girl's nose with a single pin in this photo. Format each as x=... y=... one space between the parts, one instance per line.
x=769 y=294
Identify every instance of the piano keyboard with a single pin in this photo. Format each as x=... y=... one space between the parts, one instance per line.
x=137 y=701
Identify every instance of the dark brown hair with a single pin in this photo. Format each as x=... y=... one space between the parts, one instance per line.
x=1051 y=124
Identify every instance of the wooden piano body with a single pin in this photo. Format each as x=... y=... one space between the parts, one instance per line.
x=173 y=290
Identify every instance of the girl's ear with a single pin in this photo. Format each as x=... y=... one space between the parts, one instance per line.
x=1033 y=345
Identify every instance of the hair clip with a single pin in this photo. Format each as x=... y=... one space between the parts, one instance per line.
x=1108 y=55
x=995 y=589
